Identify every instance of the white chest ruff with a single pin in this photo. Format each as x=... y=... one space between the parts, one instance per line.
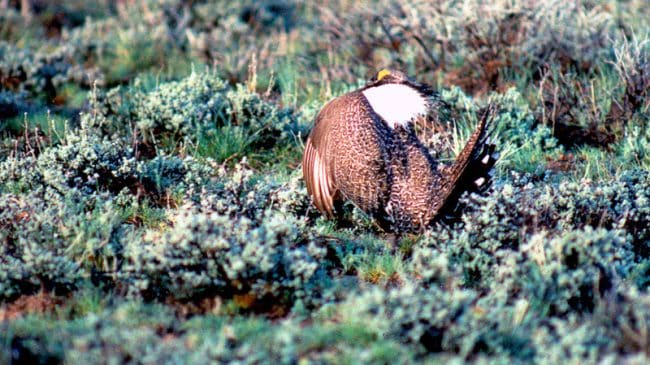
x=397 y=104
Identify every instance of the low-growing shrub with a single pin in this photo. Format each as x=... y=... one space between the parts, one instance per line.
x=11 y=104
x=266 y=264
x=41 y=71
x=91 y=164
x=445 y=324
x=54 y=245
x=202 y=112
x=528 y=217
x=240 y=192
x=571 y=272
x=478 y=46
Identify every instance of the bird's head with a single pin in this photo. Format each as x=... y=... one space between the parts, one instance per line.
x=397 y=98
x=389 y=76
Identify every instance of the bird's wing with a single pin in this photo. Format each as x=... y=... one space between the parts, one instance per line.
x=317 y=179
x=472 y=170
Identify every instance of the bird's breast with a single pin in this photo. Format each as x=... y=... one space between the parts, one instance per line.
x=396 y=104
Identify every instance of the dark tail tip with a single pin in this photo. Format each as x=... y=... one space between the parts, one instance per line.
x=474 y=167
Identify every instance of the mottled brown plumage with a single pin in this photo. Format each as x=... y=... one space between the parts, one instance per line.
x=354 y=153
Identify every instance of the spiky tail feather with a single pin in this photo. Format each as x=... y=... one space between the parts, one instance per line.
x=473 y=169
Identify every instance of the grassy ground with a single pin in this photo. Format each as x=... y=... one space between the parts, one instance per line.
x=152 y=208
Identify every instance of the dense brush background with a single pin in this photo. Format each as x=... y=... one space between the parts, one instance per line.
x=152 y=208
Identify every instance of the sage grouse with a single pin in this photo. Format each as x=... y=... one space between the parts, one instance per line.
x=363 y=148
